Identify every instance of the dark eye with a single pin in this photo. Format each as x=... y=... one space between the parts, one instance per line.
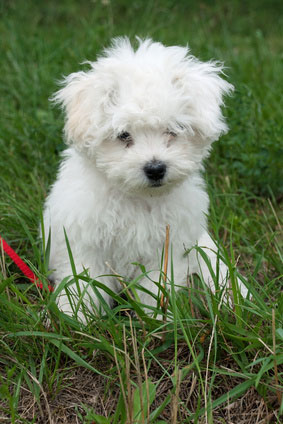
x=171 y=133
x=126 y=138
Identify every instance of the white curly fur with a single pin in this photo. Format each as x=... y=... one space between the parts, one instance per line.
x=170 y=104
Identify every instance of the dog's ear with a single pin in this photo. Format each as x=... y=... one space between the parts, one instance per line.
x=84 y=100
x=204 y=88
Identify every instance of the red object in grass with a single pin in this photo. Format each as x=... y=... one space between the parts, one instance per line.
x=22 y=265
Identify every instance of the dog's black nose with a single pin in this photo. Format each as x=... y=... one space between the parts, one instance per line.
x=155 y=170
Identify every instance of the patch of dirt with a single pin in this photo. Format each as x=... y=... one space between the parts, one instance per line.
x=80 y=387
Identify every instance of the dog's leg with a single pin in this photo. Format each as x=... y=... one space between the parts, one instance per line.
x=80 y=298
x=198 y=265
x=150 y=299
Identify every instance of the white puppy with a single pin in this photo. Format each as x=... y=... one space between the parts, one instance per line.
x=138 y=123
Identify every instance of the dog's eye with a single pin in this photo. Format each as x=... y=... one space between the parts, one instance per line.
x=125 y=137
x=171 y=133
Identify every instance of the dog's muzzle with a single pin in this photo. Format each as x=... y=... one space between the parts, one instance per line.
x=155 y=171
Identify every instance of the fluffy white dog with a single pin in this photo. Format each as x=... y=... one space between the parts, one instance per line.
x=138 y=123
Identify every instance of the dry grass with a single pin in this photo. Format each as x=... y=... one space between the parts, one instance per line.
x=80 y=386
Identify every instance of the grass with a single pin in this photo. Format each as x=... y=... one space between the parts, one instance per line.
x=208 y=362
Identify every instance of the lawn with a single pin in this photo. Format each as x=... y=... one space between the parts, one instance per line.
x=205 y=361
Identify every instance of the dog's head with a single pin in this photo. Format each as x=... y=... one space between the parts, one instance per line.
x=147 y=117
